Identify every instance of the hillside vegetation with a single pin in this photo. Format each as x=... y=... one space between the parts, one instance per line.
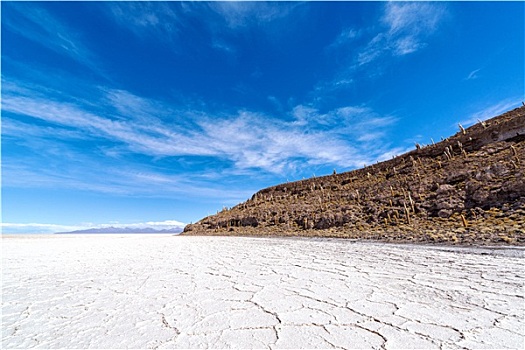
x=468 y=188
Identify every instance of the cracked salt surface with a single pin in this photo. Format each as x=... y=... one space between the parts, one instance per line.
x=157 y=292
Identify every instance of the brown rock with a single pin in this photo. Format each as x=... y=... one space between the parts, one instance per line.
x=419 y=196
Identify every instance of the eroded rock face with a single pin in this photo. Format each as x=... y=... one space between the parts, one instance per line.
x=468 y=188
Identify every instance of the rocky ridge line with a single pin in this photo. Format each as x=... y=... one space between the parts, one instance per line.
x=469 y=188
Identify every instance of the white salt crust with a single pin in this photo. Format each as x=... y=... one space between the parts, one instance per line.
x=162 y=291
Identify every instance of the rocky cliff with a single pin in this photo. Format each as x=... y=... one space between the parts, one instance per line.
x=469 y=188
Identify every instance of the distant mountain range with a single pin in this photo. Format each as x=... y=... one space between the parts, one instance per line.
x=125 y=230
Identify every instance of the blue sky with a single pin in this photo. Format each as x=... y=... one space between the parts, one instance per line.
x=161 y=113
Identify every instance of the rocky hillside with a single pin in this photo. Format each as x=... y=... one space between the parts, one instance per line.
x=469 y=188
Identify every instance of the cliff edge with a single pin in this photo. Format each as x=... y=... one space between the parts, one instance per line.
x=466 y=189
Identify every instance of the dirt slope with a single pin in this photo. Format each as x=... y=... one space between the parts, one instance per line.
x=469 y=188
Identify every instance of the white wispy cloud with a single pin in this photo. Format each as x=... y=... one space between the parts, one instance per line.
x=167 y=22
x=406 y=26
x=44 y=161
x=144 y=18
x=473 y=75
x=52 y=165
x=140 y=136
x=247 y=139
x=91 y=174
x=346 y=37
x=251 y=140
x=409 y=23
x=412 y=17
x=33 y=22
x=222 y=45
x=245 y=13
x=15 y=127
x=304 y=115
x=402 y=29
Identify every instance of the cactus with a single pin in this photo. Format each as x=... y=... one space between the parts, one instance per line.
x=414 y=164
x=463 y=131
x=448 y=153
x=464 y=221
x=483 y=124
x=411 y=202
x=407 y=213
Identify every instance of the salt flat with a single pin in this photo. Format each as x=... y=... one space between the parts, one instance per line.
x=144 y=291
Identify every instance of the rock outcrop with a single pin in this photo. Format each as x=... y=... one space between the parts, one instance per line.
x=469 y=188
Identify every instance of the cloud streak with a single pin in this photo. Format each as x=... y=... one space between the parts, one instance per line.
x=403 y=28
x=247 y=139
x=168 y=22
x=406 y=27
x=45 y=163
x=144 y=19
x=473 y=75
x=240 y=14
x=36 y=24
